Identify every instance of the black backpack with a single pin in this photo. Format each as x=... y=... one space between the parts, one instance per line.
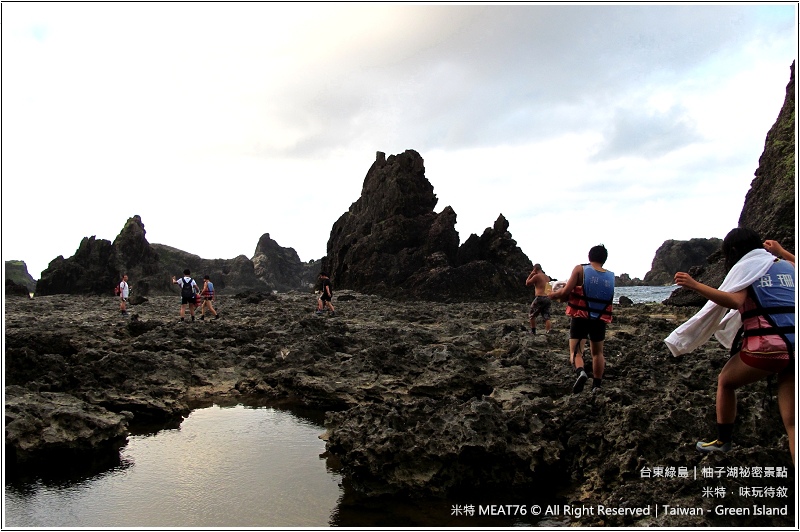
x=186 y=290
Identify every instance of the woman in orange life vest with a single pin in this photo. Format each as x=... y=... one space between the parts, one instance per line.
x=589 y=294
x=765 y=342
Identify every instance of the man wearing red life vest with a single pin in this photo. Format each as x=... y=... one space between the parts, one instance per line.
x=589 y=294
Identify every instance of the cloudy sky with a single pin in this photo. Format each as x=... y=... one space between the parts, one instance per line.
x=619 y=124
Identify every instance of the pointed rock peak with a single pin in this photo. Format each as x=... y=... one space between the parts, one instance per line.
x=396 y=186
x=133 y=230
x=265 y=243
x=501 y=224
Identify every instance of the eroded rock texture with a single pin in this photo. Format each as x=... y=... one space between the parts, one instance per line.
x=391 y=242
x=423 y=398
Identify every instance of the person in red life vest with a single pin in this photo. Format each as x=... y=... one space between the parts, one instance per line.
x=589 y=294
x=208 y=296
x=761 y=288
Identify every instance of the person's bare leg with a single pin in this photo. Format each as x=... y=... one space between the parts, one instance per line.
x=786 y=405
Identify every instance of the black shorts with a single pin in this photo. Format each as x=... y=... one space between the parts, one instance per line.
x=188 y=300
x=582 y=328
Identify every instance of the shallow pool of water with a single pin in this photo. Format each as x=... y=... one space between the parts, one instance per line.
x=232 y=467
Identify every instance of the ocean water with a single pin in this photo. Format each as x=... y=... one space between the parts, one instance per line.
x=644 y=294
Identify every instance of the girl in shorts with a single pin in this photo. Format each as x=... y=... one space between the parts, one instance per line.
x=764 y=344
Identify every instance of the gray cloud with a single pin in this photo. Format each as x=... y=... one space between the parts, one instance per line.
x=634 y=132
x=460 y=76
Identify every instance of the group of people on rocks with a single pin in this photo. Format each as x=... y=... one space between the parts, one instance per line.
x=189 y=292
x=189 y=295
x=752 y=313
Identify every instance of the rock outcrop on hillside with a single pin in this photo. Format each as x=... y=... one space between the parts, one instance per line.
x=392 y=243
x=92 y=270
x=769 y=205
x=281 y=267
x=99 y=264
x=17 y=272
x=679 y=256
x=16 y=290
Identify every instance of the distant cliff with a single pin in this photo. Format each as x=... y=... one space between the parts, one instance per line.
x=18 y=282
x=679 y=256
x=769 y=205
x=17 y=273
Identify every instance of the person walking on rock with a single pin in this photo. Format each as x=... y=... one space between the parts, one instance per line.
x=541 y=303
x=208 y=295
x=324 y=301
x=753 y=314
x=124 y=292
x=188 y=292
x=589 y=294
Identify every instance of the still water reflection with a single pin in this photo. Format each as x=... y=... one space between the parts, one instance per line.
x=231 y=467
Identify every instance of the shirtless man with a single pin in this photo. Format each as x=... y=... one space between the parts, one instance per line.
x=541 y=303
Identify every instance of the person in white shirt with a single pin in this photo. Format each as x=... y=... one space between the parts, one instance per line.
x=189 y=290
x=124 y=290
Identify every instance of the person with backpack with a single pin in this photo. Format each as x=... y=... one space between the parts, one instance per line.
x=123 y=290
x=188 y=293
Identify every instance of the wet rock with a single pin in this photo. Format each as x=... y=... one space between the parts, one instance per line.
x=43 y=423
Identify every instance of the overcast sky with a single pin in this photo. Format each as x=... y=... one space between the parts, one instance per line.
x=626 y=125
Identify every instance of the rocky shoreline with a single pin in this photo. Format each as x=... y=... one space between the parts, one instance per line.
x=423 y=398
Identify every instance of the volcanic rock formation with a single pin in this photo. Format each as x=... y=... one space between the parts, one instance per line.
x=678 y=256
x=17 y=272
x=99 y=264
x=392 y=243
x=281 y=267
